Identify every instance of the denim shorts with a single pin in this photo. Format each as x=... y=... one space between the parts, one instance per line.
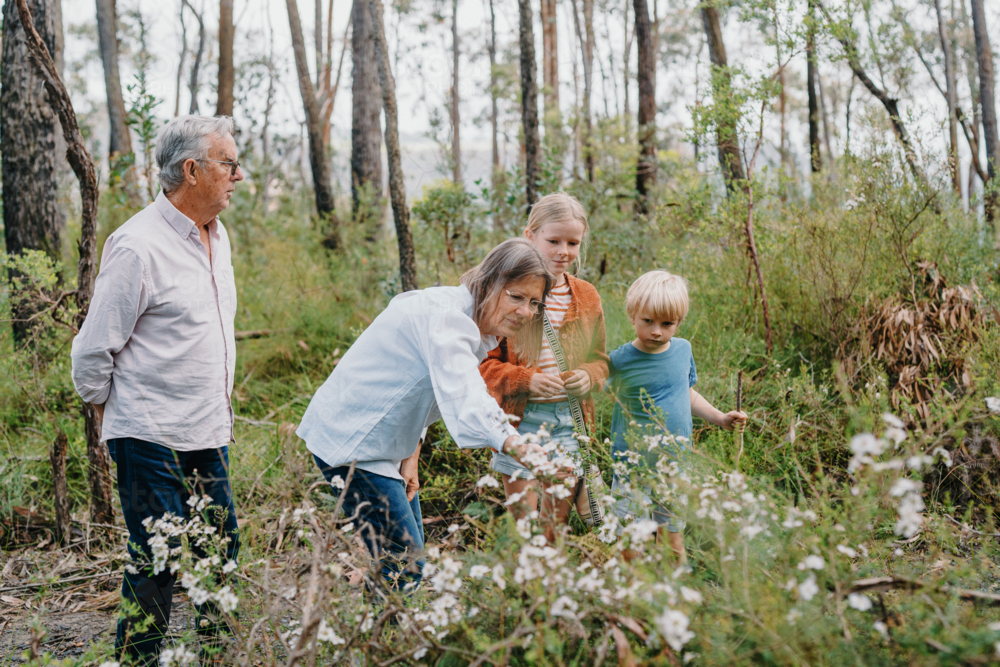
x=633 y=503
x=558 y=421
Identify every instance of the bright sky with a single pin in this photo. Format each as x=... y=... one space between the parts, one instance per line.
x=422 y=61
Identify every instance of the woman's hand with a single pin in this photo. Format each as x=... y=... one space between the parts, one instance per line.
x=544 y=385
x=576 y=382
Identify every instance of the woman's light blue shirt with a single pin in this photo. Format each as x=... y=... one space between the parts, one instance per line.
x=416 y=363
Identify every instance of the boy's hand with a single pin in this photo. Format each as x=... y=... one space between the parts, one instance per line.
x=544 y=385
x=734 y=420
x=576 y=382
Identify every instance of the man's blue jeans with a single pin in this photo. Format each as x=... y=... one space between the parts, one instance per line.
x=152 y=481
x=389 y=524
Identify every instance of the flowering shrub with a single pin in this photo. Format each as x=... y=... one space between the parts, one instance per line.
x=773 y=577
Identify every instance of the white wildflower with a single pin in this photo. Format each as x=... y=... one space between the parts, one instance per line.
x=498 y=571
x=227 y=600
x=993 y=404
x=419 y=653
x=110 y=663
x=348 y=527
x=337 y=482
x=691 y=595
x=847 y=551
x=229 y=567
x=564 y=606
x=793 y=616
x=326 y=634
x=487 y=480
x=454 y=528
x=178 y=656
x=812 y=562
x=892 y=420
x=881 y=628
x=808 y=588
x=859 y=601
x=478 y=571
x=902 y=486
x=673 y=627
x=515 y=497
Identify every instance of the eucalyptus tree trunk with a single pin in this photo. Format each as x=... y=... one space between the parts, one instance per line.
x=194 y=82
x=227 y=72
x=585 y=36
x=550 y=61
x=119 y=143
x=812 y=79
x=366 y=130
x=397 y=186
x=987 y=102
x=494 y=114
x=28 y=141
x=529 y=103
x=952 y=97
x=645 y=174
x=318 y=161
x=456 y=143
x=726 y=136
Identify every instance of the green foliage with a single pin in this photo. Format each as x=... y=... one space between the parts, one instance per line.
x=448 y=209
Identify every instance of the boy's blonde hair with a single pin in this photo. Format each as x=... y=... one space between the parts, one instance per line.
x=659 y=294
x=559 y=207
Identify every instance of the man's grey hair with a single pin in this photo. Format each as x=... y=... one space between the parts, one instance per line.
x=186 y=138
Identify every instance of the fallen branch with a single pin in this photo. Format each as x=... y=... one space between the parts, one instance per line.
x=882 y=583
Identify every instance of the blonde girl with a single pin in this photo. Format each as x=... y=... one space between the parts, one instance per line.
x=533 y=389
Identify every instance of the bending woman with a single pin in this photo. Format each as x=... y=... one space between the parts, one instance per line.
x=416 y=363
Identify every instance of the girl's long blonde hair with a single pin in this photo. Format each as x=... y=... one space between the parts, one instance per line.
x=559 y=207
x=510 y=262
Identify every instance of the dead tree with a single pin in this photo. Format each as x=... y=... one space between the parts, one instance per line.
x=227 y=72
x=645 y=173
x=529 y=103
x=987 y=100
x=57 y=459
x=99 y=469
x=725 y=122
x=318 y=162
x=397 y=186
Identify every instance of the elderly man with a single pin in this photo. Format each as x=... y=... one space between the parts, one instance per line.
x=156 y=357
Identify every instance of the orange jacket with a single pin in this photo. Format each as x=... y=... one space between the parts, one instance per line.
x=583 y=341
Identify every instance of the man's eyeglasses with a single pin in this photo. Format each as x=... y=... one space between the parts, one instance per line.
x=233 y=164
x=518 y=300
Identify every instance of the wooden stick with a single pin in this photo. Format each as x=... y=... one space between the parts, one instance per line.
x=57 y=456
x=739 y=407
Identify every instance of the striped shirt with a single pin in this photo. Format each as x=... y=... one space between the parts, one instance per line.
x=556 y=305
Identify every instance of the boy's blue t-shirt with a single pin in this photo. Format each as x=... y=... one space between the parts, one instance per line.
x=644 y=384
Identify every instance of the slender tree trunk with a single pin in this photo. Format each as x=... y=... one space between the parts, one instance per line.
x=456 y=144
x=824 y=117
x=529 y=103
x=318 y=161
x=193 y=83
x=550 y=61
x=120 y=142
x=727 y=139
x=318 y=41
x=83 y=166
x=330 y=88
x=626 y=62
x=397 y=186
x=180 y=63
x=28 y=128
x=586 y=39
x=366 y=130
x=812 y=79
x=494 y=113
x=949 y=75
x=227 y=33
x=987 y=102
x=57 y=459
x=645 y=174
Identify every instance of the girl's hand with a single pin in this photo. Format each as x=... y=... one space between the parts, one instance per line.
x=576 y=382
x=544 y=385
x=734 y=420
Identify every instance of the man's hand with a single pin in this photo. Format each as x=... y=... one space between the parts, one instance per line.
x=576 y=382
x=408 y=471
x=544 y=385
x=734 y=420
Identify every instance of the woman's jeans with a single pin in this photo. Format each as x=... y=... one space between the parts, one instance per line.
x=389 y=524
x=154 y=480
x=557 y=420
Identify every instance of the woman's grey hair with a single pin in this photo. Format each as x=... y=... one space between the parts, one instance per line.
x=186 y=138
x=510 y=262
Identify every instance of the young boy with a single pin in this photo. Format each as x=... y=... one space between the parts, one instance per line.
x=653 y=378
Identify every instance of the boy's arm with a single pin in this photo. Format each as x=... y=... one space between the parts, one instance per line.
x=700 y=407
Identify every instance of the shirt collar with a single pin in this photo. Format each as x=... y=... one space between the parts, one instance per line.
x=182 y=224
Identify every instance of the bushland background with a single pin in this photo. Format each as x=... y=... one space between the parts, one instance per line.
x=822 y=173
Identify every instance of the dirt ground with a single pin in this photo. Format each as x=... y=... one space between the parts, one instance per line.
x=69 y=633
